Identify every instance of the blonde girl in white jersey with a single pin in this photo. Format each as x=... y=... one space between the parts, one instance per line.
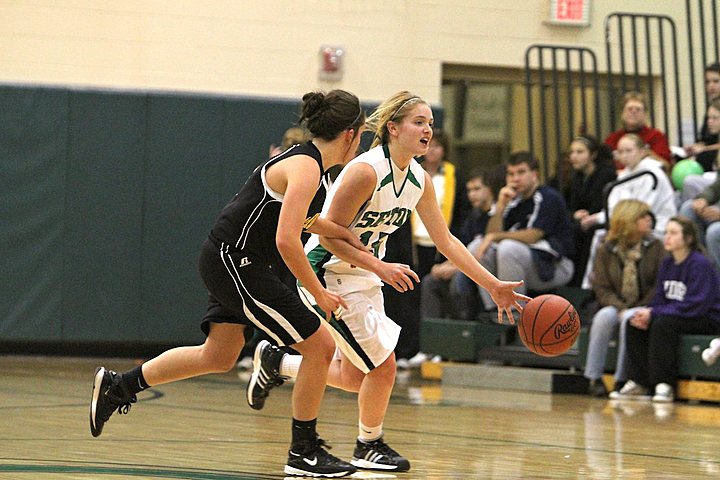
x=373 y=196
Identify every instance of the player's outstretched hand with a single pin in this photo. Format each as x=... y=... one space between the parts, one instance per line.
x=398 y=275
x=506 y=298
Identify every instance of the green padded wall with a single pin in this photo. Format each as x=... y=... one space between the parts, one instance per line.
x=103 y=221
x=184 y=148
x=33 y=156
x=105 y=199
x=246 y=121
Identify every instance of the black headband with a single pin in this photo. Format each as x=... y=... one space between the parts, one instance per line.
x=356 y=118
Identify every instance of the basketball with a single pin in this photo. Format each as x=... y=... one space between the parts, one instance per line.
x=549 y=325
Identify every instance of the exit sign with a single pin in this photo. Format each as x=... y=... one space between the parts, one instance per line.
x=570 y=12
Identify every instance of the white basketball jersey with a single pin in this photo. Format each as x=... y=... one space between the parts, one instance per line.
x=395 y=196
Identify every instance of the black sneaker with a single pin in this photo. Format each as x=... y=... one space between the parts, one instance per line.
x=596 y=388
x=266 y=374
x=377 y=455
x=310 y=459
x=109 y=394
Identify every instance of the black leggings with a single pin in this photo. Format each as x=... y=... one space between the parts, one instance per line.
x=653 y=353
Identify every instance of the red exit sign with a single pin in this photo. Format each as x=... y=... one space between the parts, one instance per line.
x=570 y=12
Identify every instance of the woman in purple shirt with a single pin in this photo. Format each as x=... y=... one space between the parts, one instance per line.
x=686 y=301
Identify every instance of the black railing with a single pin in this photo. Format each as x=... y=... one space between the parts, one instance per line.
x=560 y=69
x=608 y=188
x=649 y=62
x=705 y=25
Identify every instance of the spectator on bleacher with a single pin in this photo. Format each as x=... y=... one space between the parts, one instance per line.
x=704 y=211
x=530 y=235
x=686 y=301
x=412 y=245
x=593 y=168
x=653 y=188
x=446 y=291
x=634 y=118
x=707 y=145
x=625 y=271
x=694 y=184
x=634 y=157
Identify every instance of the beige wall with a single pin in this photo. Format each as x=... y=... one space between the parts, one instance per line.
x=270 y=48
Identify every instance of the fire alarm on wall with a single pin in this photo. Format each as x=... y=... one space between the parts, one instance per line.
x=331 y=62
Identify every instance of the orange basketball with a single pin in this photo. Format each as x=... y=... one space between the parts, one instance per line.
x=549 y=325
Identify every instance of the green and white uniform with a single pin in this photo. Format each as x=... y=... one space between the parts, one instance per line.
x=363 y=332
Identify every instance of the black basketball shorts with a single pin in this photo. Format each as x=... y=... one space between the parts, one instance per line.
x=244 y=291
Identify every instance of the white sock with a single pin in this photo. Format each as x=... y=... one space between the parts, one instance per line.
x=369 y=434
x=289 y=365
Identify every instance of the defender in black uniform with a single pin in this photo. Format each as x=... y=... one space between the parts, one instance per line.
x=256 y=238
x=241 y=265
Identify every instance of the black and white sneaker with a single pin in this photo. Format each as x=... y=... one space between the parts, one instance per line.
x=265 y=375
x=310 y=459
x=109 y=394
x=631 y=391
x=377 y=455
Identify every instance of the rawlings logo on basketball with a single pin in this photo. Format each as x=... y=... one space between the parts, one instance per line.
x=549 y=325
x=569 y=326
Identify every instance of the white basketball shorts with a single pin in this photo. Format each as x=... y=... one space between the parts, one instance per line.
x=362 y=332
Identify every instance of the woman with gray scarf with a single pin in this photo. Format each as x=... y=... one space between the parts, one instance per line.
x=625 y=271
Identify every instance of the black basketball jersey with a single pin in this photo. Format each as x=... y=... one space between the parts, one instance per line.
x=249 y=222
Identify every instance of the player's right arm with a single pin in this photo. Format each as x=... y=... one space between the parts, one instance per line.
x=356 y=188
x=325 y=228
x=300 y=188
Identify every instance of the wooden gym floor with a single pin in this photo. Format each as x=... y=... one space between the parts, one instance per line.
x=203 y=429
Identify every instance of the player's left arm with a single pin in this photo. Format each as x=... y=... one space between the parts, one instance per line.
x=502 y=293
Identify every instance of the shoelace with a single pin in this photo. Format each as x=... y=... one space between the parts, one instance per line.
x=123 y=404
x=322 y=448
x=125 y=407
x=318 y=446
x=323 y=444
x=384 y=448
x=268 y=382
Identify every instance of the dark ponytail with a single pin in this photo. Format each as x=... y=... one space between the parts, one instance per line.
x=326 y=115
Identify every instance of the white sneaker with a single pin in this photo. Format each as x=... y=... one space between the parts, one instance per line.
x=711 y=354
x=246 y=363
x=418 y=359
x=631 y=391
x=663 y=393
